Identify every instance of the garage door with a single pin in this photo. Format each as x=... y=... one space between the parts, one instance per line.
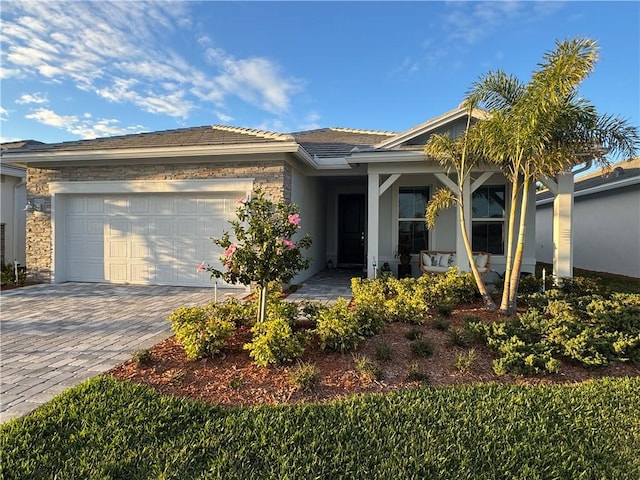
x=156 y=239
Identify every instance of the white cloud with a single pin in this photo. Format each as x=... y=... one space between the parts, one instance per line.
x=224 y=118
x=4 y=114
x=37 y=98
x=85 y=127
x=122 y=52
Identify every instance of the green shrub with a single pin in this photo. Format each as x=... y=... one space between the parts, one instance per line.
x=366 y=368
x=441 y=323
x=529 y=284
x=337 y=328
x=414 y=333
x=459 y=336
x=143 y=358
x=312 y=310
x=464 y=361
x=369 y=301
x=274 y=341
x=8 y=275
x=305 y=376
x=202 y=331
x=384 y=352
x=414 y=374
x=407 y=300
x=422 y=348
x=445 y=309
x=453 y=288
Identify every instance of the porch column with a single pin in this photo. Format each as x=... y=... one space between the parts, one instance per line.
x=373 y=209
x=461 y=251
x=563 y=227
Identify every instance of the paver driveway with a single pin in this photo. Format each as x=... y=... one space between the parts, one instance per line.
x=54 y=336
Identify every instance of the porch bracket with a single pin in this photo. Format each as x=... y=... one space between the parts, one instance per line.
x=387 y=183
x=550 y=183
x=447 y=182
x=480 y=181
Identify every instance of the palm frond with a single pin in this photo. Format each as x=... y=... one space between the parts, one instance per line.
x=442 y=199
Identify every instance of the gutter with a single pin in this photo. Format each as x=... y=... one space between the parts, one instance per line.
x=627 y=182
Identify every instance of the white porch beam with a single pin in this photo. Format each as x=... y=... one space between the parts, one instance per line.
x=450 y=184
x=387 y=183
x=550 y=183
x=563 y=227
x=373 y=217
x=478 y=182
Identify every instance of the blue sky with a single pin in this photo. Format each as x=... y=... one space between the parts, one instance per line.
x=73 y=70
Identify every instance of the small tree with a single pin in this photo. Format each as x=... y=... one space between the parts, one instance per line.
x=264 y=249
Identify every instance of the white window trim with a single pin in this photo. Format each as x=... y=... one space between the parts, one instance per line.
x=395 y=213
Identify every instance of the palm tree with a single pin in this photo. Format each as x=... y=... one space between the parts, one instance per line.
x=459 y=156
x=543 y=128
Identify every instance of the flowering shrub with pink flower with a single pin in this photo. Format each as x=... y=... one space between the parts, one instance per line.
x=265 y=247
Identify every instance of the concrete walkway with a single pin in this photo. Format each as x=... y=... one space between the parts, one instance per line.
x=54 y=336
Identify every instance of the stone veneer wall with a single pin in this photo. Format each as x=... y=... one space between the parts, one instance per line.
x=273 y=177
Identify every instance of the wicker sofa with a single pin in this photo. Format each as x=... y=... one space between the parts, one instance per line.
x=439 y=261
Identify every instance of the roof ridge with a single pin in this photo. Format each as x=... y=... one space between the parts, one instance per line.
x=254 y=132
x=607 y=170
x=365 y=131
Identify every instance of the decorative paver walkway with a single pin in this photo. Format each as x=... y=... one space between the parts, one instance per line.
x=54 y=336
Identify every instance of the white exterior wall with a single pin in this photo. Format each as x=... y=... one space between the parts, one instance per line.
x=13 y=198
x=606 y=231
x=544 y=233
x=309 y=194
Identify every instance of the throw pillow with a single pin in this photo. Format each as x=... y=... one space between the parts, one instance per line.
x=481 y=261
x=444 y=259
x=452 y=260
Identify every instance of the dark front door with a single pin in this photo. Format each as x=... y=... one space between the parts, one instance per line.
x=351 y=230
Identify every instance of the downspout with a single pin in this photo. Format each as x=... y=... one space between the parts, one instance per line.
x=586 y=167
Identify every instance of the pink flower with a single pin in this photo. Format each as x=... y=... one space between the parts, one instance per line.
x=294 y=219
x=241 y=200
x=230 y=251
x=289 y=243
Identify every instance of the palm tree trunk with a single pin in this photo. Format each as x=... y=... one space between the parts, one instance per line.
x=517 y=262
x=486 y=297
x=504 y=305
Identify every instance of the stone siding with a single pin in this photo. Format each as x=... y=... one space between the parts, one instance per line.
x=273 y=177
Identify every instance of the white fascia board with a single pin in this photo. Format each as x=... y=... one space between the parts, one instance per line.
x=152 y=186
x=627 y=182
x=432 y=124
x=12 y=170
x=155 y=152
x=387 y=157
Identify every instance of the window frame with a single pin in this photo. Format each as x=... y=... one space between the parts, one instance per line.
x=398 y=218
x=486 y=219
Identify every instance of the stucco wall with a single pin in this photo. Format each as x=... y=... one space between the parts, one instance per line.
x=12 y=201
x=606 y=231
x=271 y=176
x=309 y=194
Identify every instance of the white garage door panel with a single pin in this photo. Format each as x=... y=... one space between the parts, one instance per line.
x=149 y=239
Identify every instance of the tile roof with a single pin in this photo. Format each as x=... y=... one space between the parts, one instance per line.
x=194 y=136
x=339 y=142
x=617 y=172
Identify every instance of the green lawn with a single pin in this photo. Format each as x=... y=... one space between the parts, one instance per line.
x=608 y=281
x=111 y=429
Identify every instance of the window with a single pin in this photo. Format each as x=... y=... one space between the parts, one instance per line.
x=412 y=230
x=487 y=231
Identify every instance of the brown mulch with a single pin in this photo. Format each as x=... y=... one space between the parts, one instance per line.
x=232 y=379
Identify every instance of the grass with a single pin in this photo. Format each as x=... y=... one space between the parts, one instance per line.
x=106 y=428
x=608 y=281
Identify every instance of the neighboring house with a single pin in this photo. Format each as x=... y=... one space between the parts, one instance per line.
x=142 y=208
x=13 y=198
x=606 y=221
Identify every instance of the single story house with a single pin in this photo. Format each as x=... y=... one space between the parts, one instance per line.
x=141 y=208
x=606 y=221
